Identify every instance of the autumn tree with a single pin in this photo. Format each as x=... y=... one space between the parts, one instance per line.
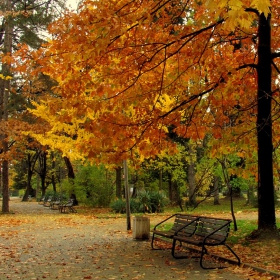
x=21 y=22
x=127 y=71
x=4 y=92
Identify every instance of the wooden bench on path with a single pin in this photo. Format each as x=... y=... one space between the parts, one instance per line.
x=55 y=204
x=67 y=207
x=169 y=227
x=208 y=231
x=47 y=201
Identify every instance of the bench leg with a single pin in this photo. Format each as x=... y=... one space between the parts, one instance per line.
x=158 y=248
x=174 y=249
x=238 y=259
x=204 y=251
x=152 y=243
x=72 y=209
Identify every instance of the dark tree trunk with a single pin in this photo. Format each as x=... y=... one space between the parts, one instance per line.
x=5 y=91
x=5 y=191
x=43 y=170
x=266 y=205
x=119 y=182
x=216 y=190
x=29 y=177
x=192 y=185
x=71 y=173
x=31 y=161
x=53 y=173
x=174 y=192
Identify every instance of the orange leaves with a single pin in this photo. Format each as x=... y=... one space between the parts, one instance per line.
x=128 y=70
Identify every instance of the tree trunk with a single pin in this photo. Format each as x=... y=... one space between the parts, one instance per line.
x=71 y=173
x=174 y=192
x=266 y=205
x=31 y=161
x=119 y=182
x=192 y=186
x=43 y=170
x=160 y=179
x=29 y=177
x=216 y=190
x=53 y=172
x=5 y=90
x=5 y=191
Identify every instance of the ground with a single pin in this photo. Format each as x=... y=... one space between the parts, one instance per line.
x=39 y=243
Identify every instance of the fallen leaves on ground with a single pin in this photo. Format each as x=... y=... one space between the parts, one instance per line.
x=49 y=245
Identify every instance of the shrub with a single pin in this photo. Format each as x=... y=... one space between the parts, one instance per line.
x=145 y=201
x=158 y=201
x=118 y=206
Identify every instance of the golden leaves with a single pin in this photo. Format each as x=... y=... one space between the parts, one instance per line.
x=126 y=71
x=5 y=77
x=235 y=13
x=263 y=6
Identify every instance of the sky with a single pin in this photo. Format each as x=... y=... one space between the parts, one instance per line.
x=72 y=3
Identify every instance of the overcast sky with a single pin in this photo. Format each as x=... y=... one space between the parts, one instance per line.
x=72 y=3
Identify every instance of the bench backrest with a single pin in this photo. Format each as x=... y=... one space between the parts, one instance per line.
x=207 y=225
x=181 y=221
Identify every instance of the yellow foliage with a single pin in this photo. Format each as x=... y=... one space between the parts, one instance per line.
x=5 y=77
x=263 y=6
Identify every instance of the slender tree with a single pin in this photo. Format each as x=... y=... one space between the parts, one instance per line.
x=21 y=22
x=5 y=91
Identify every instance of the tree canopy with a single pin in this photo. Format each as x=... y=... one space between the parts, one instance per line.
x=128 y=71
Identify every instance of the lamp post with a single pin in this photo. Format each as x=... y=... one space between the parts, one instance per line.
x=127 y=195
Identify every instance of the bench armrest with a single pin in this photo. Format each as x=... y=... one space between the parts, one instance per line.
x=164 y=221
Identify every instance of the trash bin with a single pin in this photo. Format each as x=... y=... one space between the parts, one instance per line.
x=141 y=228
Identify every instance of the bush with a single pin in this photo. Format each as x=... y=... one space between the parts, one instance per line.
x=118 y=206
x=158 y=202
x=145 y=201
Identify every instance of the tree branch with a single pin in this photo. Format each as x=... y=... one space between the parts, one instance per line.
x=275 y=66
x=251 y=10
x=275 y=55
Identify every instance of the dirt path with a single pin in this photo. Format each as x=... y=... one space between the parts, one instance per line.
x=38 y=243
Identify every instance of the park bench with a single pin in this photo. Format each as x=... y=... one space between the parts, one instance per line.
x=67 y=207
x=47 y=201
x=42 y=200
x=55 y=204
x=208 y=231
x=167 y=228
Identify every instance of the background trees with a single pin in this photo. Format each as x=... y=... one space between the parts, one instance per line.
x=128 y=71
x=21 y=22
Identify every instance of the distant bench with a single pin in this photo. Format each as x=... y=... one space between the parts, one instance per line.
x=67 y=207
x=195 y=230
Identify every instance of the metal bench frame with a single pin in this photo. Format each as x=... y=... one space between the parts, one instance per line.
x=181 y=221
x=209 y=232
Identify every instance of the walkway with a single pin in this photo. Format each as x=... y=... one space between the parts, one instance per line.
x=38 y=243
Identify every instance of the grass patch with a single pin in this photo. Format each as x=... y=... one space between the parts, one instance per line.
x=244 y=228
x=207 y=206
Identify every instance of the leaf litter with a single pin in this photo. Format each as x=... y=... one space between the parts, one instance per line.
x=52 y=246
